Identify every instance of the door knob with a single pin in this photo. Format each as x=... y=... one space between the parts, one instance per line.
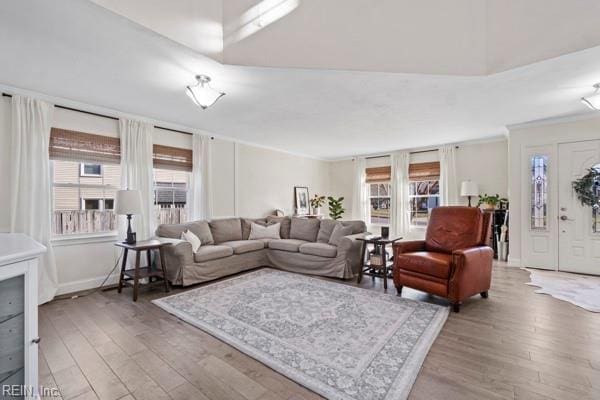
x=565 y=218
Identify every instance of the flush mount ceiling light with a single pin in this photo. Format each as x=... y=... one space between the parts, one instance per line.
x=202 y=94
x=593 y=101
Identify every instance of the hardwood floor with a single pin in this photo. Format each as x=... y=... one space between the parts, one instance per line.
x=514 y=345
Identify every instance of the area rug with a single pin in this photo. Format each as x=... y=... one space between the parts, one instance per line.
x=580 y=290
x=340 y=341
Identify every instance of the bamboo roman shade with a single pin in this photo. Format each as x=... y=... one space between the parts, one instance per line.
x=166 y=157
x=379 y=174
x=424 y=171
x=69 y=145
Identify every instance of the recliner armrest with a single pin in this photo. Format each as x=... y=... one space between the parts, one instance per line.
x=409 y=246
x=471 y=273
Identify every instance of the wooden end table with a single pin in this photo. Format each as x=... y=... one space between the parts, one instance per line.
x=381 y=271
x=137 y=273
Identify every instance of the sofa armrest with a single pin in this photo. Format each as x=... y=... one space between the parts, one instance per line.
x=409 y=246
x=178 y=254
x=471 y=272
x=350 y=248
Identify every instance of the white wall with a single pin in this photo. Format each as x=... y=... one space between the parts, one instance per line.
x=548 y=133
x=258 y=180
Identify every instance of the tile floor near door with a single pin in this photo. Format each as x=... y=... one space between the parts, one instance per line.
x=514 y=345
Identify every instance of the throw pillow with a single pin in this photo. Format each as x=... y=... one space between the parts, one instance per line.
x=194 y=240
x=258 y=231
x=338 y=233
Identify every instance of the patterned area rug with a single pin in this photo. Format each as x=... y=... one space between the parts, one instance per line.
x=581 y=290
x=339 y=341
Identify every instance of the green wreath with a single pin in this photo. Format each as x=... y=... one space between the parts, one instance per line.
x=586 y=188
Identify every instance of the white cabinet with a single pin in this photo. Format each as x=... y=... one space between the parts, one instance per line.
x=18 y=314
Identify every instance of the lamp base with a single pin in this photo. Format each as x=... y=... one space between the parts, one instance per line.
x=130 y=239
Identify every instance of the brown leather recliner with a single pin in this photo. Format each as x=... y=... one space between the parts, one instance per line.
x=455 y=259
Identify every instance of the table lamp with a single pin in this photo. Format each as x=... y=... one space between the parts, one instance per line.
x=128 y=202
x=469 y=189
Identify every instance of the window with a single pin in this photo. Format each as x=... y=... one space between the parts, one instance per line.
x=378 y=181
x=379 y=198
x=539 y=192
x=85 y=177
x=84 y=204
x=170 y=195
x=424 y=192
x=91 y=170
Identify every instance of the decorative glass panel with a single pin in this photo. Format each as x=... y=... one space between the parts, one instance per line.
x=595 y=209
x=539 y=192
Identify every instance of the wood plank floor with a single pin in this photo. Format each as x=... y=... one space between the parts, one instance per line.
x=514 y=345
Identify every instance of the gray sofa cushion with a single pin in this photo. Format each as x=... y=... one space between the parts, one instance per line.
x=174 y=231
x=305 y=229
x=358 y=226
x=319 y=249
x=338 y=233
x=292 y=245
x=226 y=230
x=244 y=246
x=207 y=253
x=325 y=230
x=285 y=222
x=247 y=223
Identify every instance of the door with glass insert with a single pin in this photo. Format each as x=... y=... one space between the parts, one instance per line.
x=579 y=226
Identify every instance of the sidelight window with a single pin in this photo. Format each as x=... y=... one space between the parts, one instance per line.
x=539 y=192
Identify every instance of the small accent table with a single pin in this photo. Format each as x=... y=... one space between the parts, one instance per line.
x=137 y=273
x=381 y=271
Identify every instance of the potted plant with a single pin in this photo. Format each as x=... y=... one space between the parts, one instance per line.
x=336 y=210
x=315 y=203
x=490 y=202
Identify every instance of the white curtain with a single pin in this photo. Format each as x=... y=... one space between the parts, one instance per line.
x=400 y=217
x=360 y=199
x=200 y=193
x=136 y=173
x=30 y=183
x=448 y=182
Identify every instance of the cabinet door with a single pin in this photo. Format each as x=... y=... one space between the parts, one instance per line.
x=12 y=331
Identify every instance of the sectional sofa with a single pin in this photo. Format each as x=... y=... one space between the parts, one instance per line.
x=226 y=249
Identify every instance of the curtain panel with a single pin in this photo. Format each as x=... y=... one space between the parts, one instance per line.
x=200 y=193
x=400 y=212
x=360 y=196
x=31 y=184
x=448 y=182
x=136 y=173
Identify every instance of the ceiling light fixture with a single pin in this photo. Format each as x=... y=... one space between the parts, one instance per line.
x=593 y=101
x=202 y=94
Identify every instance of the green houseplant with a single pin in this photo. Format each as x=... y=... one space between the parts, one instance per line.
x=490 y=202
x=316 y=202
x=336 y=210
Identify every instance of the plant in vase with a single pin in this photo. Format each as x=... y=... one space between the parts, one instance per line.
x=336 y=210
x=316 y=202
x=490 y=202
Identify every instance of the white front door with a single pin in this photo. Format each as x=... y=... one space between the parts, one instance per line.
x=579 y=245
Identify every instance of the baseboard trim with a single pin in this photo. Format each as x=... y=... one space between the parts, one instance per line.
x=85 y=284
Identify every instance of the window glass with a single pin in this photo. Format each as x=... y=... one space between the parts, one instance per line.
x=170 y=196
x=424 y=196
x=539 y=192
x=83 y=197
x=379 y=203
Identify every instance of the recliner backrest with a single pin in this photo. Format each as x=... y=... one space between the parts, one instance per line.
x=454 y=228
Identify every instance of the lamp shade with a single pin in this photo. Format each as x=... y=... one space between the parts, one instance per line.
x=469 y=188
x=202 y=94
x=128 y=202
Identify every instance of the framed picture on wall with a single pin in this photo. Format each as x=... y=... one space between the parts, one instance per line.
x=301 y=196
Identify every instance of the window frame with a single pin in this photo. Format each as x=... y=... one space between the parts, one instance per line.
x=389 y=196
x=66 y=237
x=87 y=175
x=411 y=196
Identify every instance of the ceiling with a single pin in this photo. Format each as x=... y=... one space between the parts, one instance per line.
x=81 y=51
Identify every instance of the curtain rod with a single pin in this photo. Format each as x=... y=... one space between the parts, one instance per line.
x=108 y=116
x=412 y=152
